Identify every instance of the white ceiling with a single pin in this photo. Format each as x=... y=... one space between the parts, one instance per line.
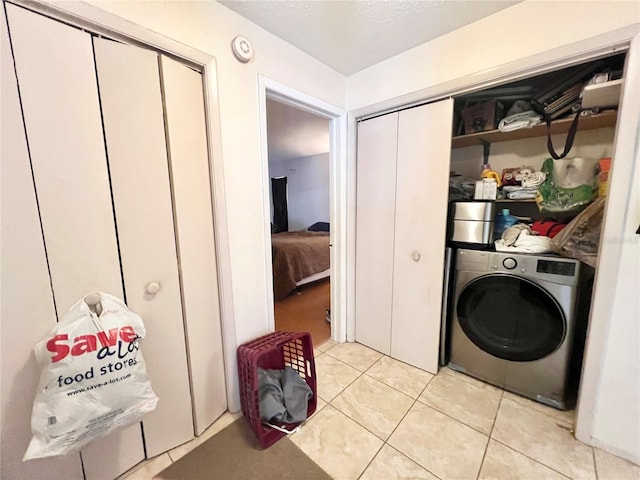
x=294 y=133
x=350 y=35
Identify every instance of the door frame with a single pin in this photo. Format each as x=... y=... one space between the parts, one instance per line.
x=92 y=18
x=338 y=168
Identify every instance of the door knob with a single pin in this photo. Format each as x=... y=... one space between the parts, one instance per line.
x=153 y=288
x=416 y=256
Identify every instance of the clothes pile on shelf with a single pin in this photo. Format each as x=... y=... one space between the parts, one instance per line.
x=520 y=115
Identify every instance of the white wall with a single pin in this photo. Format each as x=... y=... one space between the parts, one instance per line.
x=525 y=29
x=210 y=27
x=308 y=189
x=617 y=411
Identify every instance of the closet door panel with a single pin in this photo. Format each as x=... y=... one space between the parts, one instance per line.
x=190 y=175
x=375 y=213
x=57 y=82
x=28 y=312
x=129 y=82
x=424 y=148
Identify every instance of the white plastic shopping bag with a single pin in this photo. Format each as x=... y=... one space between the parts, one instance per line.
x=93 y=378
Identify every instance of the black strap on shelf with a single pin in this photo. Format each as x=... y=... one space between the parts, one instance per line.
x=570 y=137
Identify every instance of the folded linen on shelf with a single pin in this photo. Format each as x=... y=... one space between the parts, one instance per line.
x=533 y=180
x=524 y=194
x=517 y=121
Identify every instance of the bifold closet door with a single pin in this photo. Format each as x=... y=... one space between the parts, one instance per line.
x=58 y=88
x=28 y=312
x=132 y=113
x=375 y=218
x=424 y=150
x=192 y=196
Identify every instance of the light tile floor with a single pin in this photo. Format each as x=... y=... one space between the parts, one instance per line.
x=380 y=419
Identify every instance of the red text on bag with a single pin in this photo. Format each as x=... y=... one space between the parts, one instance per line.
x=59 y=345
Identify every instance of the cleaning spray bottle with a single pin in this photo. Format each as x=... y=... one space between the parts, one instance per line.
x=486 y=171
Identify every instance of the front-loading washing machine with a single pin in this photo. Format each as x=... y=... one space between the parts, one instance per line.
x=519 y=322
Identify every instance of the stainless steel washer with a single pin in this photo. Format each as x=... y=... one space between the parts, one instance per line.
x=519 y=323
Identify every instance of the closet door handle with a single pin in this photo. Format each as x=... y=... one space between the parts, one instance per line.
x=153 y=288
x=415 y=256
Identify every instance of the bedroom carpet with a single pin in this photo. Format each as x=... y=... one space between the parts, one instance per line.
x=235 y=454
x=304 y=311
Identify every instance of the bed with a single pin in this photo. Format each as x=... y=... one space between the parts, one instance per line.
x=298 y=257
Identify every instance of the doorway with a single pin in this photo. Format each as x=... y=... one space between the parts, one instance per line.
x=303 y=155
x=298 y=144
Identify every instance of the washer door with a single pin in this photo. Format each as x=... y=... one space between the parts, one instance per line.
x=511 y=317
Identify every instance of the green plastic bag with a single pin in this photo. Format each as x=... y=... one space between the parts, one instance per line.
x=570 y=185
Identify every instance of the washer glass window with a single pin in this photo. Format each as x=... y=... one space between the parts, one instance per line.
x=511 y=318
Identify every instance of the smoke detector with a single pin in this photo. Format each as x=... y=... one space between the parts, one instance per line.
x=242 y=48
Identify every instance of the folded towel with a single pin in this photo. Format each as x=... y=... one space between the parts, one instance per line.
x=526 y=119
x=533 y=180
x=522 y=195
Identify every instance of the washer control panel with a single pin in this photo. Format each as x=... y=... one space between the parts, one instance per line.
x=541 y=266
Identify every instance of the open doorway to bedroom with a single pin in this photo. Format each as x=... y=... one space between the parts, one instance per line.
x=298 y=144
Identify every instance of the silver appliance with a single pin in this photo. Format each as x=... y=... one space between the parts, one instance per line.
x=519 y=322
x=471 y=223
x=445 y=319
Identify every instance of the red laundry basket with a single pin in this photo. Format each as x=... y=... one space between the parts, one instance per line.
x=274 y=351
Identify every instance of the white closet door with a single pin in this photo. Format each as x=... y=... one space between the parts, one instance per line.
x=375 y=214
x=189 y=161
x=424 y=148
x=131 y=100
x=58 y=88
x=28 y=312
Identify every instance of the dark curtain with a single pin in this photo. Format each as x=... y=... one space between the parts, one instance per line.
x=279 y=197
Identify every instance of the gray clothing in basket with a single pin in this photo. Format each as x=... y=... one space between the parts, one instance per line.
x=283 y=396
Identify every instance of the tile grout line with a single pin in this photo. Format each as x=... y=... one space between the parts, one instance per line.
x=532 y=459
x=493 y=424
x=385 y=442
x=416 y=400
x=456 y=419
x=514 y=449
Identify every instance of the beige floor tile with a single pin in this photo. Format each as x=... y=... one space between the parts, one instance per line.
x=563 y=417
x=390 y=464
x=225 y=419
x=405 y=378
x=333 y=376
x=543 y=437
x=324 y=346
x=443 y=446
x=474 y=405
x=149 y=468
x=374 y=405
x=610 y=467
x=462 y=376
x=502 y=463
x=337 y=444
x=356 y=355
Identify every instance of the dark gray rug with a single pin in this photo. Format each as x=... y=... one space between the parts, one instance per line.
x=235 y=454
